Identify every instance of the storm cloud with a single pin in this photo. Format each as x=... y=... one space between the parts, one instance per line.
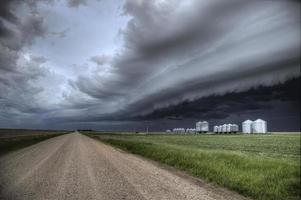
x=16 y=72
x=170 y=58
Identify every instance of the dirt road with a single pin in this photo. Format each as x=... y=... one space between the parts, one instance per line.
x=74 y=166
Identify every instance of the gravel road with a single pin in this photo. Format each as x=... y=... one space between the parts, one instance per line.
x=74 y=166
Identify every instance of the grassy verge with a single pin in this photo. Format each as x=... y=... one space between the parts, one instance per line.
x=260 y=167
x=14 y=143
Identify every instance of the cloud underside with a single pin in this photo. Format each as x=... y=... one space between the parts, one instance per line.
x=175 y=52
x=214 y=107
x=179 y=58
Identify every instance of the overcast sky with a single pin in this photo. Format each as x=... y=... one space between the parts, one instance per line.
x=128 y=64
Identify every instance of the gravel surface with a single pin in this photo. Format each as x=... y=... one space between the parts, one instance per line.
x=74 y=166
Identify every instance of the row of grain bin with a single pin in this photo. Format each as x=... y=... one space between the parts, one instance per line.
x=190 y=130
x=226 y=128
x=178 y=130
x=183 y=130
x=248 y=127
x=257 y=126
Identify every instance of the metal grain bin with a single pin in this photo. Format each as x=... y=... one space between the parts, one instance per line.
x=234 y=128
x=247 y=126
x=204 y=127
x=215 y=129
x=220 y=128
x=228 y=128
x=224 y=128
x=198 y=126
x=259 y=126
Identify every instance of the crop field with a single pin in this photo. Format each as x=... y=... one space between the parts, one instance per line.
x=11 y=140
x=257 y=166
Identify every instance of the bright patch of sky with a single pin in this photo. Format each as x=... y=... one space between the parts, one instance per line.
x=77 y=34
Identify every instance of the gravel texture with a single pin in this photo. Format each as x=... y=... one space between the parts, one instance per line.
x=74 y=166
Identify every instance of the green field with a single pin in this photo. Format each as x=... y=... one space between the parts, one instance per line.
x=256 y=166
x=9 y=144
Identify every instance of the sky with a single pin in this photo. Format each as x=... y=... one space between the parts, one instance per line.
x=136 y=64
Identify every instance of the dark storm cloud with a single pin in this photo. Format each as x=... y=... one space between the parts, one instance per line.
x=17 y=74
x=213 y=83
x=199 y=28
x=25 y=83
x=221 y=106
x=6 y=11
x=214 y=107
x=181 y=51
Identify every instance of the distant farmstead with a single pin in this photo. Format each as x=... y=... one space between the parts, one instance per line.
x=248 y=127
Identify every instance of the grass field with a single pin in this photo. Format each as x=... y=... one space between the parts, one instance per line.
x=12 y=143
x=257 y=166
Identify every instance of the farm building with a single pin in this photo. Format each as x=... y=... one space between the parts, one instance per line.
x=215 y=129
x=228 y=128
x=190 y=130
x=234 y=128
x=179 y=130
x=175 y=130
x=198 y=126
x=247 y=126
x=220 y=128
x=224 y=128
x=259 y=126
x=202 y=127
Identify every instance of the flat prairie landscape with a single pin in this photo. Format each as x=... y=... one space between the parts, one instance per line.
x=56 y=165
x=257 y=166
x=14 y=139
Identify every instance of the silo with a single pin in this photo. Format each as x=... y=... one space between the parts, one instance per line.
x=224 y=128
x=231 y=128
x=228 y=128
x=247 y=126
x=190 y=130
x=198 y=126
x=220 y=129
x=215 y=129
x=259 y=126
x=234 y=128
x=204 y=127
